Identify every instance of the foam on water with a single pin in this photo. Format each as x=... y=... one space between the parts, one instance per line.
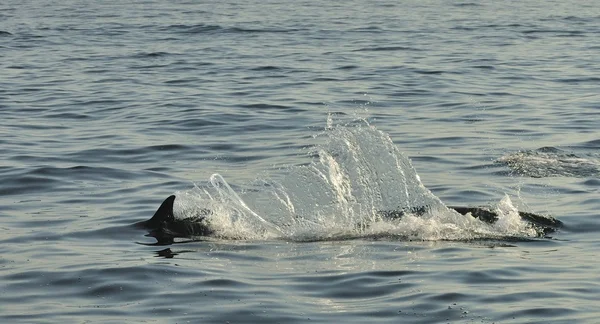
x=551 y=162
x=358 y=173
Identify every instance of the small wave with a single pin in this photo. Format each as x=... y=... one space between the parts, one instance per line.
x=261 y=30
x=194 y=29
x=203 y=28
x=264 y=106
x=551 y=162
x=266 y=68
x=556 y=32
x=579 y=80
x=26 y=183
x=47 y=178
x=386 y=48
x=150 y=54
x=347 y=67
x=467 y=4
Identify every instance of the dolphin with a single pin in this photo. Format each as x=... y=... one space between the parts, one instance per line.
x=165 y=227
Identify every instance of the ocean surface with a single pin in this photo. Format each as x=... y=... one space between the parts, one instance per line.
x=295 y=121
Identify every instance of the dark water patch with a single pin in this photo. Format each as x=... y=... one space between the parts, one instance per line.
x=326 y=79
x=32 y=126
x=472 y=195
x=451 y=297
x=46 y=236
x=543 y=314
x=349 y=286
x=511 y=27
x=267 y=68
x=167 y=147
x=587 y=225
x=431 y=159
x=347 y=67
x=189 y=80
x=502 y=276
x=556 y=32
x=594 y=80
x=6 y=169
x=35 y=159
x=414 y=93
x=594 y=183
x=102 y=286
x=140 y=154
x=21 y=67
x=104 y=105
x=387 y=48
x=144 y=55
x=208 y=28
x=27 y=184
x=554 y=18
x=82 y=172
x=446 y=140
x=152 y=66
x=159 y=170
x=36 y=224
x=224 y=283
x=263 y=106
x=196 y=123
x=29 y=36
x=261 y=30
x=484 y=67
x=368 y=29
x=467 y=4
x=65 y=115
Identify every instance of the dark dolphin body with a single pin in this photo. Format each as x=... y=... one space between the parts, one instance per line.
x=165 y=227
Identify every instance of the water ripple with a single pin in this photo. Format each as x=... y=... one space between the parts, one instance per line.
x=107 y=108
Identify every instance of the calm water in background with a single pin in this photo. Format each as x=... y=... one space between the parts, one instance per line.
x=106 y=109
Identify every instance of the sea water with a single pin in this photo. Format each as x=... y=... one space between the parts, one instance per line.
x=298 y=121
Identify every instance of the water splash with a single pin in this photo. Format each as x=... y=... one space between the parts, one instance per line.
x=358 y=173
x=551 y=162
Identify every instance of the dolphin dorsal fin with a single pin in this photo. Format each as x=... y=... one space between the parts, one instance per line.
x=164 y=213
